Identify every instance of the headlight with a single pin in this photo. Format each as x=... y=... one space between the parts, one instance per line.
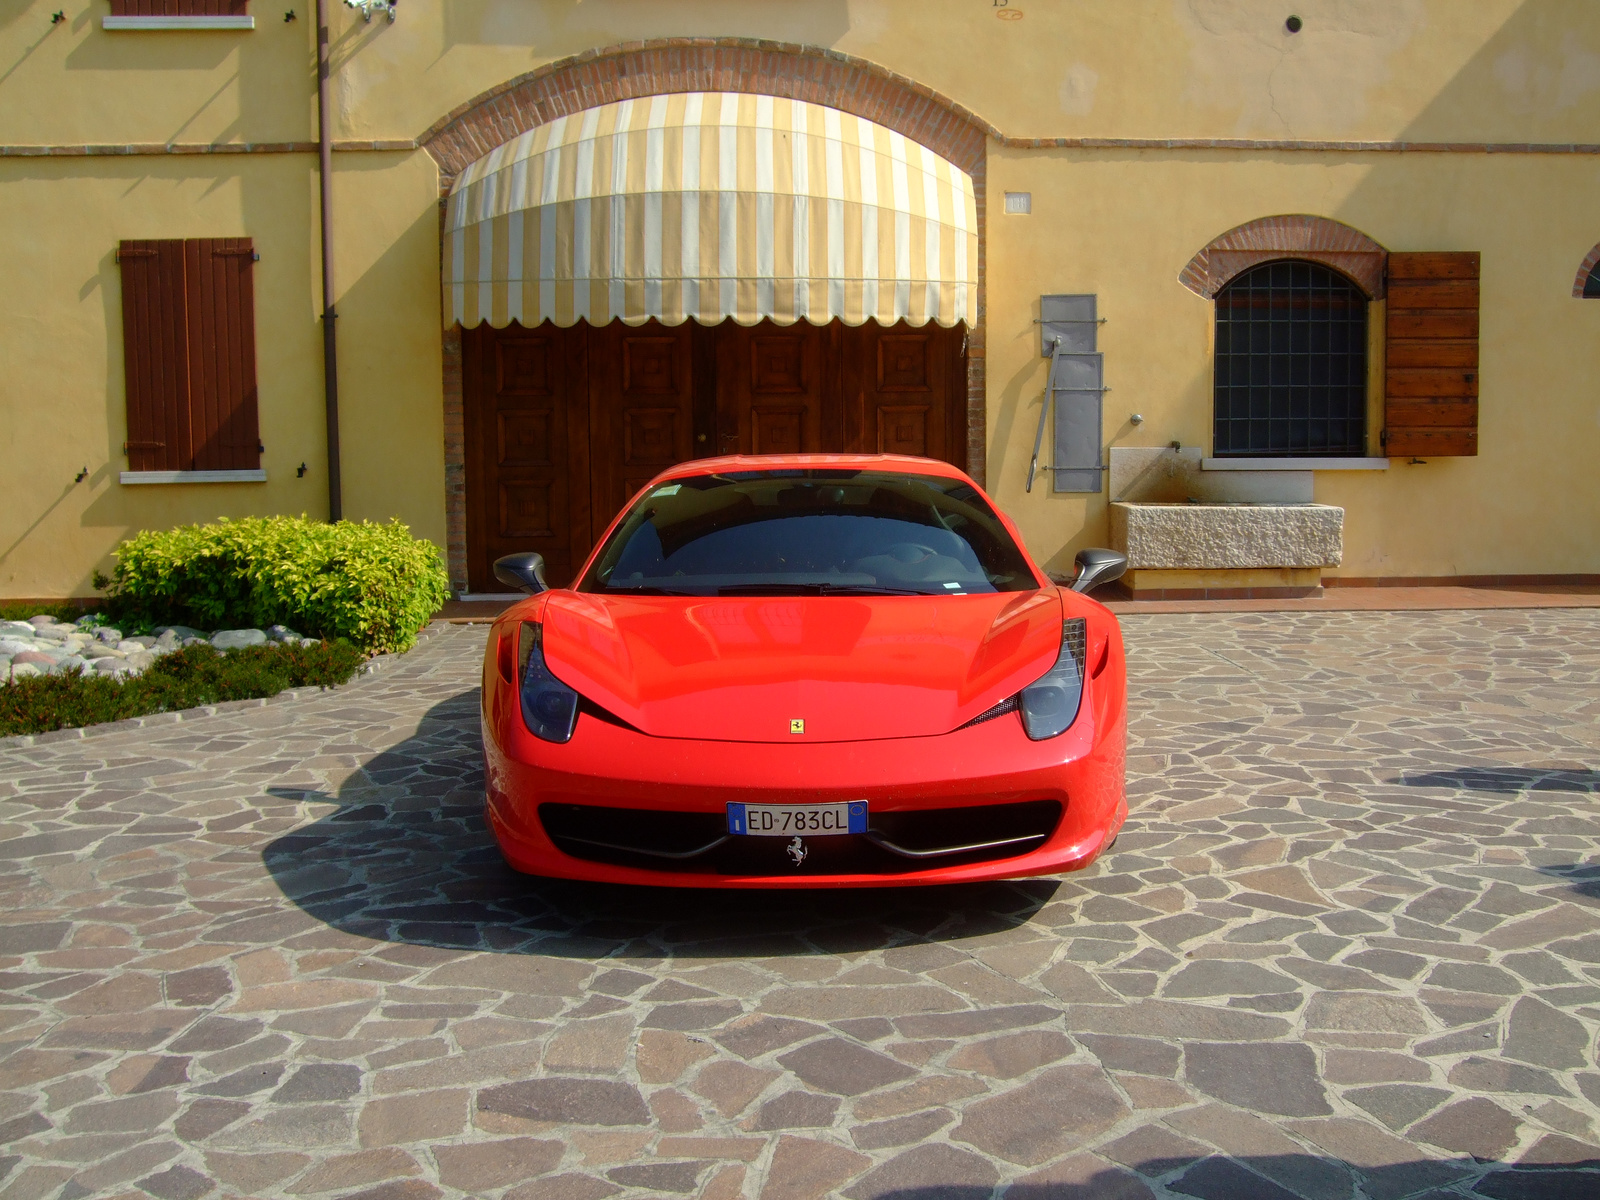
x=1050 y=706
x=549 y=707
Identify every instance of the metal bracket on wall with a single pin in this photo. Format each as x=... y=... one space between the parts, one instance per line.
x=1074 y=388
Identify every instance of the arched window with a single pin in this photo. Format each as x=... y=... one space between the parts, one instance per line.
x=1587 y=284
x=1291 y=371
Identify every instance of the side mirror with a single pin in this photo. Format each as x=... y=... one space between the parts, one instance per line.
x=1097 y=566
x=525 y=572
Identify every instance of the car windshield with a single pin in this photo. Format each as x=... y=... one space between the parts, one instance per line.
x=810 y=532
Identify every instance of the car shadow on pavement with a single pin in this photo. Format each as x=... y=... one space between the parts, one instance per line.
x=407 y=857
x=1508 y=780
x=1288 y=1177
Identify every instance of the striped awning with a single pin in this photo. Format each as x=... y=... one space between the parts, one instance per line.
x=711 y=205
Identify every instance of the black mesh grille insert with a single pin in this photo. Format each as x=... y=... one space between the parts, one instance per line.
x=896 y=842
x=1291 y=365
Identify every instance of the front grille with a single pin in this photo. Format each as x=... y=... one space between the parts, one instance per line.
x=894 y=844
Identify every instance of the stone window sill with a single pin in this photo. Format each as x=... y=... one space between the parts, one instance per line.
x=153 y=23
x=1294 y=464
x=193 y=477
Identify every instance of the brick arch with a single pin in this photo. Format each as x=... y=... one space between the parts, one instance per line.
x=1315 y=239
x=653 y=68
x=1585 y=270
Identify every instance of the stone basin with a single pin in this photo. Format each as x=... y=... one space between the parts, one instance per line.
x=1220 y=549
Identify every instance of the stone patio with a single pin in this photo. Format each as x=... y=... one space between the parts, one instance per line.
x=1348 y=946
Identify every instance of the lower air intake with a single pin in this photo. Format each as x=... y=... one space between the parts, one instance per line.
x=895 y=842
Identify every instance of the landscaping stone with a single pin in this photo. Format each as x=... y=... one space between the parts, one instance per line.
x=179 y=632
x=53 y=648
x=237 y=639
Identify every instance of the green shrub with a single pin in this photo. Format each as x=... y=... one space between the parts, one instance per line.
x=374 y=585
x=186 y=678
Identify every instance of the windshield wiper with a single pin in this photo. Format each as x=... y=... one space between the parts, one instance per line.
x=819 y=589
x=871 y=589
x=613 y=589
x=771 y=589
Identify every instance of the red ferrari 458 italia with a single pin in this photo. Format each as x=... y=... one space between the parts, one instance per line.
x=805 y=671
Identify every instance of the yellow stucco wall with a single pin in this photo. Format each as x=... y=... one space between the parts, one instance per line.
x=62 y=395
x=1117 y=222
x=1498 y=70
x=1122 y=224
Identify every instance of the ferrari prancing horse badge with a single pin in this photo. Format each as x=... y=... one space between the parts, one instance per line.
x=797 y=851
x=798 y=725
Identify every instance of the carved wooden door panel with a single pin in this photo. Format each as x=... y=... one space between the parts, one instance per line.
x=905 y=391
x=525 y=401
x=777 y=389
x=641 y=409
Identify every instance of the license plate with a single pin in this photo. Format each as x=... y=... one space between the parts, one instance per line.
x=791 y=820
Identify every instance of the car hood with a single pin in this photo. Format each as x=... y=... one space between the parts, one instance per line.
x=851 y=668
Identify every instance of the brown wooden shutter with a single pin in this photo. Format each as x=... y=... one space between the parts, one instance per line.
x=188 y=329
x=222 y=354
x=1431 y=369
x=179 y=8
x=155 y=342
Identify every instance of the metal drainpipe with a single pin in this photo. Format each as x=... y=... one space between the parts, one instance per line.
x=330 y=340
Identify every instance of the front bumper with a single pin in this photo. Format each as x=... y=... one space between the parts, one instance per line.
x=992 y=764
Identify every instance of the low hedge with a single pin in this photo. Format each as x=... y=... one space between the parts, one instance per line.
x=186 y=678
x=374 y=585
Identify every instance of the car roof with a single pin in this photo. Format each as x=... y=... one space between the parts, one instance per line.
x=900 y=464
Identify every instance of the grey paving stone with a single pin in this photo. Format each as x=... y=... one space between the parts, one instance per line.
x=1491 y=1075
x=319 y=1083
x=1471 y=977
x=844 y=1068
x=1217 y=978
x=796 y=1110
x=900 y=1131
x=1390 y=963
x=567 y=1101
x=178 y=1183
x=936 y=1172
x=1144 y=1056
x=678 y=1178
x=1271 y=1077
x=1011 y=1055
x=1477 y=1126
x=1398 y=1104
x=756 y=1034
x=1224 y=1179
x=1054 y=1113
x=1545 y=1036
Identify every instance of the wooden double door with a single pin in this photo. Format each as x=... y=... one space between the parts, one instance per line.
x=562 y=426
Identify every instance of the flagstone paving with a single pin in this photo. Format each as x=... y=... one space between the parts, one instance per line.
x=1348 y=946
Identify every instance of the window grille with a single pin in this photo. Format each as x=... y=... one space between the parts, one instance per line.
x=1291 y=363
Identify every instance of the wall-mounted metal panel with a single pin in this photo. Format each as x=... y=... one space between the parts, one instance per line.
x=1068 y=335
x=1071 y=318
x=1075 y=458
